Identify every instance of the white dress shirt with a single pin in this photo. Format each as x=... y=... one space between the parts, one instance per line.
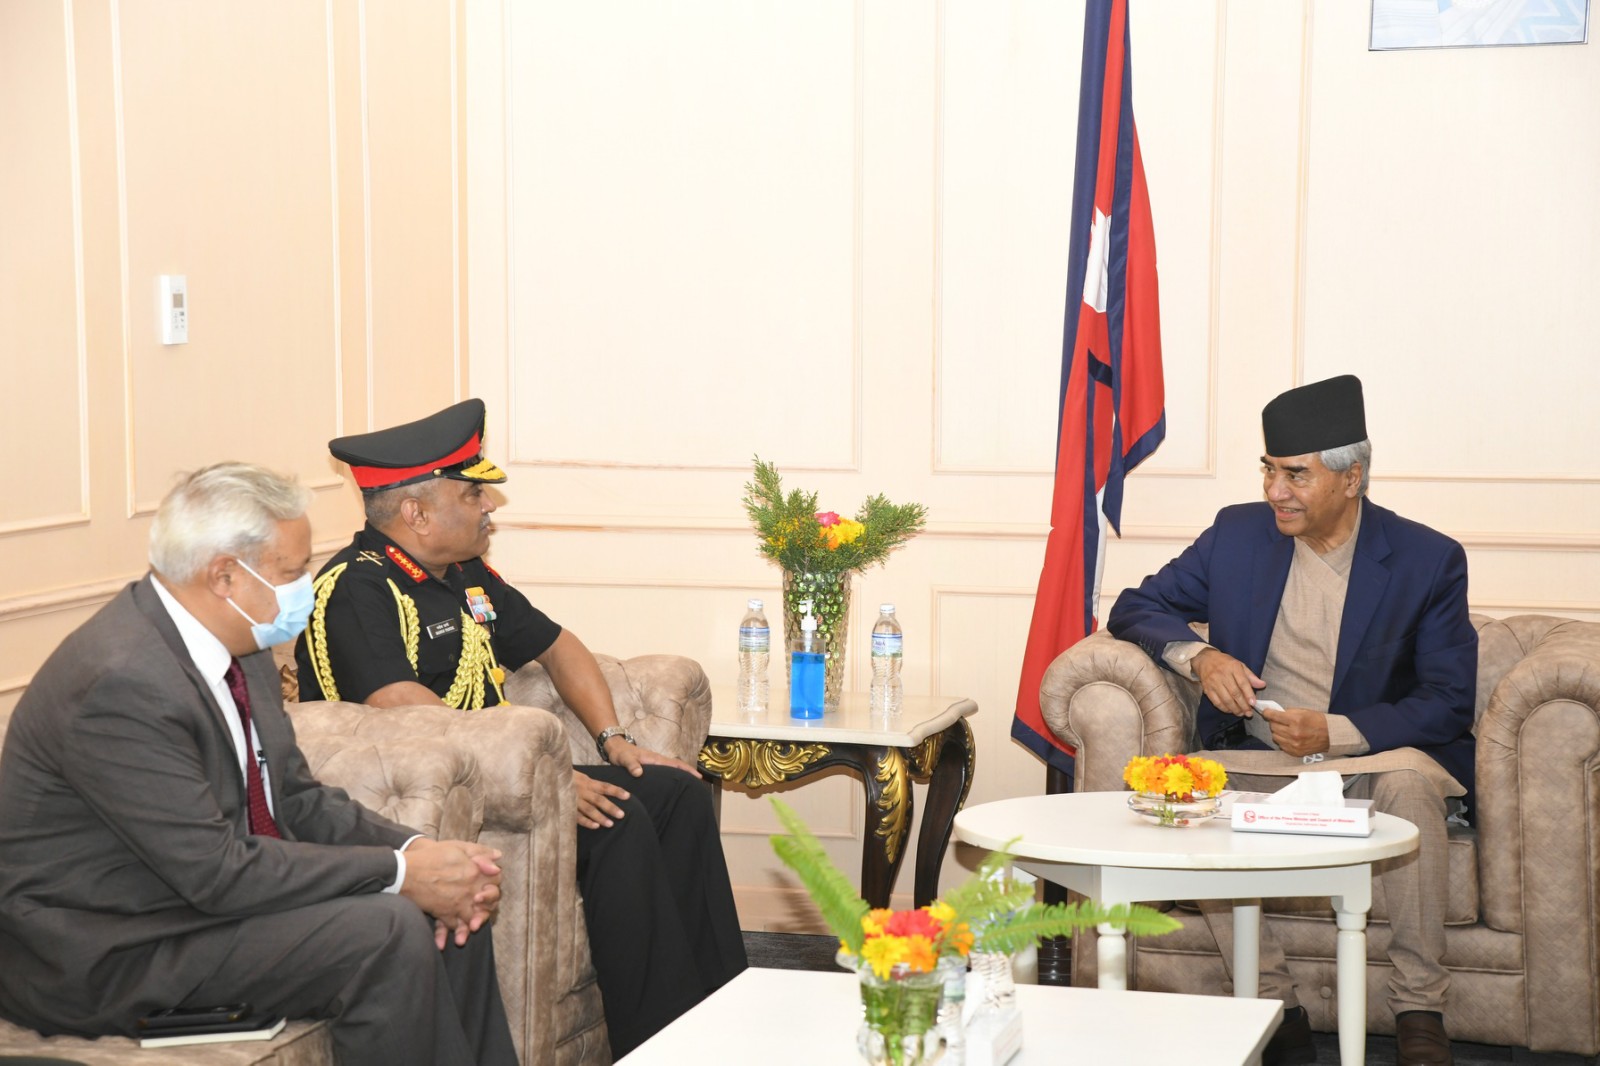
x=212 y=659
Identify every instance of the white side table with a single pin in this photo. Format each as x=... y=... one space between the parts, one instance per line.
x=1091 y=843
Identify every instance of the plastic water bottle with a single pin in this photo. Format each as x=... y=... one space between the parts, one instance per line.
x=951 y=1023
x=886 y=694
x=755 y=651
x=806 y=668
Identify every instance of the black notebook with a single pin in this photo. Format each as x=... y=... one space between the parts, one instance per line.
x=253 y=1027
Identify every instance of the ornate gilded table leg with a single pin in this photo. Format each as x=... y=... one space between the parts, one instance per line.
x=945 y=760
x=890 y=806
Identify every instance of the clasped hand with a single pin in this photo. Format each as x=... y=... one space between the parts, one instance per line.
x=1231 y=687
x=455 y=881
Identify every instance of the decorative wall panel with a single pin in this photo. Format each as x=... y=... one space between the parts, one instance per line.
x=43 y=403
x=242 y=203
x=684 y=258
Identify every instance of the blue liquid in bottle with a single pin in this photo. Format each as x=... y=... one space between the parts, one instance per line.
x=805 y=684
x=805 y=668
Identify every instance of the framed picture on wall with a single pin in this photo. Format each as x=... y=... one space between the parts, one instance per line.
x=1477 y=23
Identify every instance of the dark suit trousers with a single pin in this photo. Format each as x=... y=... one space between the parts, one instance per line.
x=369 y=963
x=663 y=929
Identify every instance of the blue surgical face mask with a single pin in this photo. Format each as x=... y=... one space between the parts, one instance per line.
x=295 y=601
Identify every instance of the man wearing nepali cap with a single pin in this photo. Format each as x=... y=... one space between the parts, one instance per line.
x=409 y=613
x=1338 y=639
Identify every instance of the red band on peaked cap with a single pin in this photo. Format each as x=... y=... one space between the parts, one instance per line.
x=377 y=477
x=447 y=443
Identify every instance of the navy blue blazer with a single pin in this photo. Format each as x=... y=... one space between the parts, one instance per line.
x=1407 y=662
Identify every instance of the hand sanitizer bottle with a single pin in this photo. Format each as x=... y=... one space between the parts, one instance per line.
x=805 y=668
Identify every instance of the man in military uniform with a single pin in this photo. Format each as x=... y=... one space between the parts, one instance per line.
x=410 y=613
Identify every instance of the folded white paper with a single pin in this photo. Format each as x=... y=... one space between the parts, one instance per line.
x=1313 y=788
x=1257 y=726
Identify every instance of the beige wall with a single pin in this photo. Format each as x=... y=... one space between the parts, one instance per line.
x=299 y=162
x=831 y=233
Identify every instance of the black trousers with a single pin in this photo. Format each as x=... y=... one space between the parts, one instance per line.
x=663 y=929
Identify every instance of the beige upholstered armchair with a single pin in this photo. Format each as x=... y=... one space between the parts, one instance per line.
x=524 y=752
x=502 y=776
x=1523 y=926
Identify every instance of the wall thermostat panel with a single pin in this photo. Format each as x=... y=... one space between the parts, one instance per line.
x=172 y=308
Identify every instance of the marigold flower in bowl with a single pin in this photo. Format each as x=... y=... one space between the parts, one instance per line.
x=1180 y=777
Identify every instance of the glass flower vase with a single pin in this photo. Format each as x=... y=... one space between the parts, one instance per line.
x=829 y=593
x=1171 y=812
x=899 y=1016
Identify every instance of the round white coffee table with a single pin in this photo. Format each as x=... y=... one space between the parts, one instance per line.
x=1092 y=843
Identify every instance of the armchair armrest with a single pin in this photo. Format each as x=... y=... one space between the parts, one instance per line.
x=1538 y=743
x=663 y=700
x=433 y=790
x=1111 y=701
x=511 y=749
x=522 y=773
x=1538 y=823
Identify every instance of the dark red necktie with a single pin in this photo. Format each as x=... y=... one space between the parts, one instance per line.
x=261 y=822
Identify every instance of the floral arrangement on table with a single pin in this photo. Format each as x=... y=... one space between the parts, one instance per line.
x=1175 y=791
x=797 y=536
x=819 y=550
x=903 y=957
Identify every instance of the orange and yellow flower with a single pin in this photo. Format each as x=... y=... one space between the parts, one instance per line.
x=843 y=531
x=911 y=939
x=1177 y=776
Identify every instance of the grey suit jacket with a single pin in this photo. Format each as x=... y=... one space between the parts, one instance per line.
x=123 y=824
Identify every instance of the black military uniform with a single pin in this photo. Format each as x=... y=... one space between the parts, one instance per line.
x=663 y=928
x=462 y=630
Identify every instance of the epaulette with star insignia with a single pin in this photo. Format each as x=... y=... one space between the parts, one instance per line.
x=403 y=561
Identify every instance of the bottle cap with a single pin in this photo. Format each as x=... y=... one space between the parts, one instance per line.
x=886 y=608
x=808 y=621
x=754 y=605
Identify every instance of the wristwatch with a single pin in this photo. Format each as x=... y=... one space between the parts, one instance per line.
x=609 y=732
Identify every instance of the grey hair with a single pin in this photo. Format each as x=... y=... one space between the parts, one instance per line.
x=1345 y=456
x=225 y=509
x=383 y=506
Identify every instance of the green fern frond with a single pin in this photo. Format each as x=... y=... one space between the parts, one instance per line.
x=986 y=895
x=1012 y=932
x=835 y=896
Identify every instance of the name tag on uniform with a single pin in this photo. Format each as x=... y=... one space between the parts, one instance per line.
x=444 y=629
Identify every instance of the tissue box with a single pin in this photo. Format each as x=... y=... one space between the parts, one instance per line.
x=994 y=1038
x=1250 y=813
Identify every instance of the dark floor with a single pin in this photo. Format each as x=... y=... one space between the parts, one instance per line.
x=798 y=951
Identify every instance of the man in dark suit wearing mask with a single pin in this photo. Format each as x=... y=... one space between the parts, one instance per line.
x=163 y=844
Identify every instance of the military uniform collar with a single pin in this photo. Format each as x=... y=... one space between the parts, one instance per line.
x=373 y=546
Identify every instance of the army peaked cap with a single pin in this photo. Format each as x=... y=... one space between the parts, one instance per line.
x=448 y=444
